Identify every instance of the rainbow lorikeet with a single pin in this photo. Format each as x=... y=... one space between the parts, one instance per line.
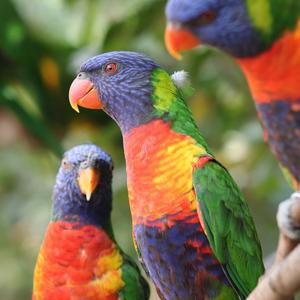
x=79 y=258
x=191 y=225
x=264 y=38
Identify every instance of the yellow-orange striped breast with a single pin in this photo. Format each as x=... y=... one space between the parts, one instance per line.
x=159 y=171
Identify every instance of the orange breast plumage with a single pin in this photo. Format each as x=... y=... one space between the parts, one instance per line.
x=274 y=75
x=159 y=171
x=77 y=262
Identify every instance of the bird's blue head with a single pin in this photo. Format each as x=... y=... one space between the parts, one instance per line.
x=119 y=83
x=83 y=188
x=224 y=24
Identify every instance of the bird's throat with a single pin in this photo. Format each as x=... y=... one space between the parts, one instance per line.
x=274 y=74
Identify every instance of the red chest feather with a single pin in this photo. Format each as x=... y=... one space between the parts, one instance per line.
x=75 y=262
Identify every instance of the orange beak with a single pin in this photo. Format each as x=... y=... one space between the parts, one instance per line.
x=177 y=39
x=82 y=93
x=88 y=179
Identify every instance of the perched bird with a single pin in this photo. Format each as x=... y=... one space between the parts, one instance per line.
x=191 y=225
x=264 y=38
x=79 y=258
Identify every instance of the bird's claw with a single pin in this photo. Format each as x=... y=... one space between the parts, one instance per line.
x=285 y=221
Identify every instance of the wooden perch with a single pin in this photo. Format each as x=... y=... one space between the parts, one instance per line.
x=282 y=281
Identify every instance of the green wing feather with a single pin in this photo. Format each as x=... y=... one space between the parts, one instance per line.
x=136 y=286
x=228 y=225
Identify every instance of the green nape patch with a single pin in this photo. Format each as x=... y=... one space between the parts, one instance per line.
x=164 y=90
x=260 y=13
x=273 y=17
x=170 y=106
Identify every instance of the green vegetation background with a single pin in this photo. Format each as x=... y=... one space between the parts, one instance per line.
x=42 y=44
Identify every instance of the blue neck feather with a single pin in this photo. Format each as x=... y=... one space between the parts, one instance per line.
x=132 y=108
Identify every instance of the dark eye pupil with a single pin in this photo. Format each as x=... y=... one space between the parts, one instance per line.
x=110 y=68
x=209 y=16
x=204 y=19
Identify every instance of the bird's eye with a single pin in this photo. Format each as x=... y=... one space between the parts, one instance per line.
x=66 y=165
x=110 y=68
x=205 y=18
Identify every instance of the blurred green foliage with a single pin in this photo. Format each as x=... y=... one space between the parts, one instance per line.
x=42 y=45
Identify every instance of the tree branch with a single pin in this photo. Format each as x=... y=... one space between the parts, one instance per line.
x=282 y=281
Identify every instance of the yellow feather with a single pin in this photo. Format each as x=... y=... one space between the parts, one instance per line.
x=260 y=13
x=112 y=261
x=108 y=284
x=164 y=90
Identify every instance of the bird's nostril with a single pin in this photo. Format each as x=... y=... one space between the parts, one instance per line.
x=175 y=25
x=84 y=165
x=81 y=75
